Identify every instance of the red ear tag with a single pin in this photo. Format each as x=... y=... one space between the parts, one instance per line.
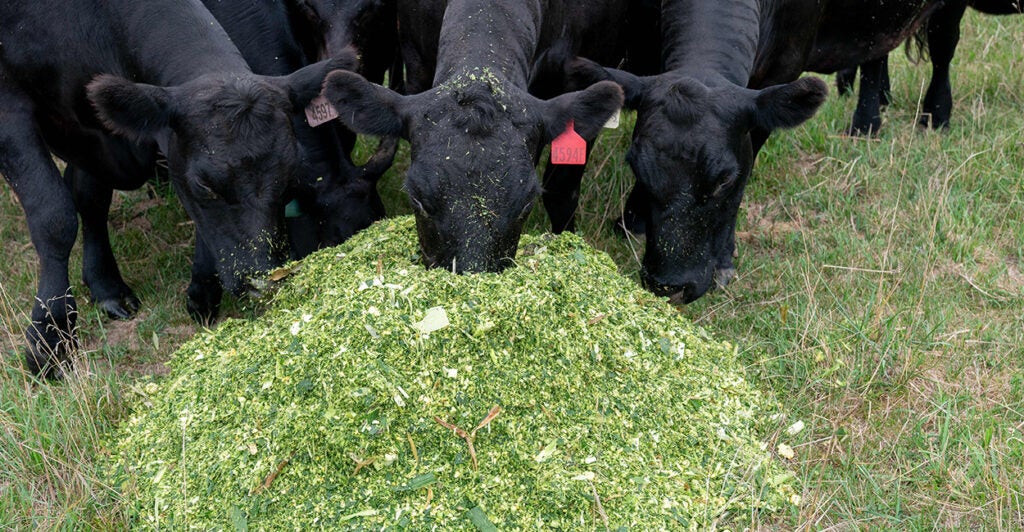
x=569 y=147
x=320 y=111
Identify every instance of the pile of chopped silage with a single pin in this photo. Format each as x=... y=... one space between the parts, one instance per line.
x=375 y=393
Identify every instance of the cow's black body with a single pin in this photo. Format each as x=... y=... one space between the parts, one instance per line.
x=730 y=77
x=474 y=129
x=942 y=33
x=161 y=74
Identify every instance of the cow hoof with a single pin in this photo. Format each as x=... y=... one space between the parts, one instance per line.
x=202 y=311
x=864 y=130
x=42 y=367
x=121 y=309
x=926 y=122
x=50 y=363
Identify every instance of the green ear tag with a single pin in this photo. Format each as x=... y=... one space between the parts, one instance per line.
x=292 y=210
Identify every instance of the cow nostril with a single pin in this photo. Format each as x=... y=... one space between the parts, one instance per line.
x=659 y=288
x=678 y=294
x=260 y=284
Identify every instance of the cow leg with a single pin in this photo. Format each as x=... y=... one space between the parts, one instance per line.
x=867 y=118
x=845 y=80
x=885 y=86
x=53 y=226
x=204 y=290
x=562 y=195
x=99 y=267
x=943 y=36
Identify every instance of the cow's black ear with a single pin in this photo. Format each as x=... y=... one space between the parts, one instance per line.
x=365 y=107
x=582 y=73
x=789 y=104
x=305 y=83
x=589 y=109
x=138 y=111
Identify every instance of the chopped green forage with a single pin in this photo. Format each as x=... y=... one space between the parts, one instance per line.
x=480 y=520
x=421 y=481
x=375 y=393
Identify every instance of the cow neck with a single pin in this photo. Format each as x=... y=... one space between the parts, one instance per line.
x=707 y=40
x=173 y=42
x=500 y=36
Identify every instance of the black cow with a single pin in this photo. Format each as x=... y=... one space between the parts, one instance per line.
x=159 y=74
x=328 y=27
x=731 y=70
x=475 y=131
x=942 y=33
x=613 y=33
x=335 y=197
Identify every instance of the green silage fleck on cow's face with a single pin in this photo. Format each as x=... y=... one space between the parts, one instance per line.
x=334 y=409
x=472 y=76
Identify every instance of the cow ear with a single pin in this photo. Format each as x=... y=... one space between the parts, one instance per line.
x=138 y=111
x=304 y=84
x=589 y=109
x=581 y=73
x=788 y=105
x=365 y=107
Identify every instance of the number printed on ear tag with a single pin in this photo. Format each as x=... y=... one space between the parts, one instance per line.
x=320 y=111
x=569 y=147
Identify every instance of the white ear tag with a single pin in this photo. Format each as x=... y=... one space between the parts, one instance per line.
x=320 y=111
x=613 y=122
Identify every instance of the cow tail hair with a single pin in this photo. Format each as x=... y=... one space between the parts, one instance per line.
x=917 y=44
x=918 y=51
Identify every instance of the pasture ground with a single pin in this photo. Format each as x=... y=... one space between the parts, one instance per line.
x=880 y=295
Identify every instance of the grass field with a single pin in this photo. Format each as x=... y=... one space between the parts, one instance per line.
x=880 y=296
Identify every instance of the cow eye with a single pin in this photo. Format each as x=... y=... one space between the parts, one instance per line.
x=418 y=207
x=725 y=183
x=204 y=190
x=526 y=211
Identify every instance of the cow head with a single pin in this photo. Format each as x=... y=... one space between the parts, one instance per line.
x=335 y=196
x=231 y=151
x=692 y=155
x=327 y=27
x=349 y=203
x=474 y=139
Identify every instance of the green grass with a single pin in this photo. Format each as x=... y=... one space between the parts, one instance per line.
x=880 y=296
